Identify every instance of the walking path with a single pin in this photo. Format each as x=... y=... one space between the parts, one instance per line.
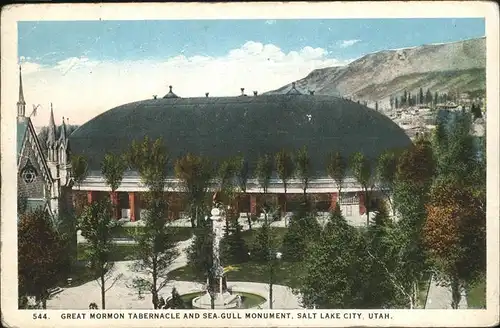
x=439 y=297
x=123 y=296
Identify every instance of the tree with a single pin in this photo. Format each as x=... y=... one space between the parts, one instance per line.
x=233 y=247
x=337 y=170
x=335 y=268
x=386 y=174
x=455 y=235
x=476 y=111
x=97 y=225
x=113 y=168
x=455 y=148
x=155 y=244
x=242 y=176
x=42 y=260
x=376 y=106
x=361 y=170
x=195 y=172
x=396 y=103
x=428 y=97
x=284 y=168
x=302 y=231
x=226 y=179
x=436 y=98
x=391 y=101
x=421 y=98
x=414 y=176
x=200 y=252
x=264 y=171
x=264 y=244
x=303 y=168
x=79 y=168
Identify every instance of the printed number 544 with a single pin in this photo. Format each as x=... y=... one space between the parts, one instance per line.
x=39 y=316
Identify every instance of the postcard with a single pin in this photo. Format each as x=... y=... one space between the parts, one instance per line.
x=250 y=164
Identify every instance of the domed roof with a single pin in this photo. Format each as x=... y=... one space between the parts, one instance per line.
x=222 y=127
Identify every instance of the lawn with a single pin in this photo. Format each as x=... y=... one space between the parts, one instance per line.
x=121 y=252
x=285 y=273
x=179 y=233
x=249 y=235
x=476 y=294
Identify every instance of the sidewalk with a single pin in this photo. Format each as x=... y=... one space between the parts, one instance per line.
x=439 y=297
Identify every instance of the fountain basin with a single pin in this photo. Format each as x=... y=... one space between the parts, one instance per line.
x=248 y=300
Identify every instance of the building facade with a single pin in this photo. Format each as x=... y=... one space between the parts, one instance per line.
x=246 y=126
x=43 y=180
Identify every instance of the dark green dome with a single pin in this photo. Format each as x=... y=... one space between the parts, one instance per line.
x=221 y=127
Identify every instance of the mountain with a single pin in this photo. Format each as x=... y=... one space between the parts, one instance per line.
x=448 y=67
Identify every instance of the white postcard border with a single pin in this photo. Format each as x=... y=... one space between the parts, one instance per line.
x=11 y=14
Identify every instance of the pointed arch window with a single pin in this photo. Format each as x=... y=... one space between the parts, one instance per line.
x=29 y=173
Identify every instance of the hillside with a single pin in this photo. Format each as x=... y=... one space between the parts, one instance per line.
x=449 y=67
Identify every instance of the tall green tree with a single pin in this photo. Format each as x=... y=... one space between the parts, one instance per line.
x=233 y=247
x=284 y=168
x=112 y=168
x=79 y=167
x=386 y=175
x=303 y=229
x=362 y=172
x=155 y=245
x=97 y=225
x=200 y=252
x=42 y=260
x=337 y=170
x=428 y=97
x=335 y=274
x=415 y=173
x=303 y=169
x=195 y=172
x=264 y=171
x=455 y=235
x=421 y=98
x=242 y=175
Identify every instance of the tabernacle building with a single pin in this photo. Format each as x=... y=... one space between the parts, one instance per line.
x=247 y=126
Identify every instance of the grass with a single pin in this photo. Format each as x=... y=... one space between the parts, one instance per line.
x=285 y=273
x=121 y=252
x=179 y=233
x=248 y=300
x=249 y=235
x=476 y=294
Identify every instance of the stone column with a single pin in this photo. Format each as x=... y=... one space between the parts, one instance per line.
x=132 y=201
x=362 y=206
x=333 y=201
x=253 y=204
x=114 y=202
x=90 y=196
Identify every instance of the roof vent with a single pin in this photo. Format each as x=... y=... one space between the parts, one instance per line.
x=311 y=92
x=255 y=93
x=206 y=94
x=170 y=93
x=243 y=91
x=155 y=96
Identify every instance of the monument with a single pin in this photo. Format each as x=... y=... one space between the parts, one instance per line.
x=217 y=284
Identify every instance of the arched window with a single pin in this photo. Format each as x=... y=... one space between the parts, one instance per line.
x=28 y=173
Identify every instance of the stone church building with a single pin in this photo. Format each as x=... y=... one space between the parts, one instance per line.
x=43 y=180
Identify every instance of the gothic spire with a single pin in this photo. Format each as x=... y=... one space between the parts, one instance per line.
x=51 y=139
x=21 y=104
x=63 y=136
